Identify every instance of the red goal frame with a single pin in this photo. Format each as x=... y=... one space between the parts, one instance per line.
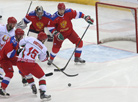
x=121 y=6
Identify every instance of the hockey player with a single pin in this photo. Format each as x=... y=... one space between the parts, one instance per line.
x=39 y=20
x=61 y=20
x=26 y=62
x=6 y=31
x=8 y=59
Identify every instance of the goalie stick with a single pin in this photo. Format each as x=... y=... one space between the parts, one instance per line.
x=29 y=7
x=62 y=69
x=27 y=13
x=69 y=75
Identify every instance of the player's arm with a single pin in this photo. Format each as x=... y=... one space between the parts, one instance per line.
x=11 y=49
x=23 y=42
x=44 y=56
x=77 y=14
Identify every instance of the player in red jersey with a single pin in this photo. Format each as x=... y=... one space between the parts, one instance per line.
x=8 y=59
x=39 y=20
x=62 y=29
x=6 y=31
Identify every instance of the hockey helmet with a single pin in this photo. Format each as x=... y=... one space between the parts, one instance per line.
x=39 y=11
x=12 y=20
x=61 y=6
x=19 y=31
x=42 y=36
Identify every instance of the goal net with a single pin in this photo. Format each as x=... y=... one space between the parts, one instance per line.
x=116 y=23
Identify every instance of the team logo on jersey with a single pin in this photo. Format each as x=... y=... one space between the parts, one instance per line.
x=40 y=25
x=5 y=38
x=63 y=24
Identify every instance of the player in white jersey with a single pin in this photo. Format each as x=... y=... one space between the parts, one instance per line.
x=6 y=31
x=34 y=47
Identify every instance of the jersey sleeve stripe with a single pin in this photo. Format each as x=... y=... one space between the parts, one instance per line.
x=26 y=20
x=78 y=15
x=11 y=54
x=51 y=29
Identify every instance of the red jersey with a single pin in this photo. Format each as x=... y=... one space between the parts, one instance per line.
x=37 y=24
x=63 y=23
x=9 y=49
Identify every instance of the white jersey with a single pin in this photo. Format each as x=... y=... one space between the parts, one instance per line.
x=5 y=34
x=33 y=48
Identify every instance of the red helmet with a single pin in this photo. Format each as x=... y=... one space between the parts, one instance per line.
x=61 y=6
x=19 y=31
x=12 y=20
x=42 y=36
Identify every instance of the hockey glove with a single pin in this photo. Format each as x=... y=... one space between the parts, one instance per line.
x=89 y=19
x=58 y=35
x=19 y=50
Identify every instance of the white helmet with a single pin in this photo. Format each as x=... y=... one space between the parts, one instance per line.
x=39 y=11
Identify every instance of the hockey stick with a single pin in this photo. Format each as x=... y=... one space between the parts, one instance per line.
x=49 y=74
x=29 y=7
x=62 y=69
x=64 y=72
x=27 y=13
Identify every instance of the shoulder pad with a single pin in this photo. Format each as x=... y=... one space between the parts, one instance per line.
x=67 y=10
x=46 y=14
x=54 y=16
x=32 y=13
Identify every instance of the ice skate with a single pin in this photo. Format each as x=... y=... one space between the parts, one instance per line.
x=49 y=62
x=34 y=89
x=78 y=59
x=24 y=81
x=3 y=93
x=43 y=96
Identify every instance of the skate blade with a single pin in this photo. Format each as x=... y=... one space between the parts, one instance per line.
x=46 y=99
x=26 y=84
x=4 y=96
x=79 y=63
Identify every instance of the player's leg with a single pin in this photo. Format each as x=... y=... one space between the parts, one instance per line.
x=24 y=80
x=55 y=49
x=14 y=62
x=74 y=38
x=25 y=69
x=39 y=73
x=8 y=69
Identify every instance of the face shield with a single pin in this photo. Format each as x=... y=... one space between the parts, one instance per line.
x=39 y=12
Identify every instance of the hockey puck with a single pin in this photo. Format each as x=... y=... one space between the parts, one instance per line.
x=49 y=74
x=69 y=84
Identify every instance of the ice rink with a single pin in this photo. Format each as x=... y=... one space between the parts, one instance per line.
x=110 y=73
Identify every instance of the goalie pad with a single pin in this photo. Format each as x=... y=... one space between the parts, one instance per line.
x=21 y=24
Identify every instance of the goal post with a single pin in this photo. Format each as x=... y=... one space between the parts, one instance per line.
x=116 y=23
